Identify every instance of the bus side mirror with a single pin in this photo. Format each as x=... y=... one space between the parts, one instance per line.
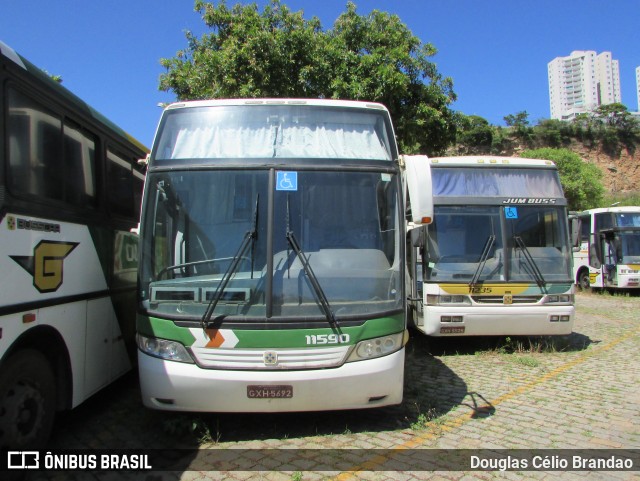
x=417 y=177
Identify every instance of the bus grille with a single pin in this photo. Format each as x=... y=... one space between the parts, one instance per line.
x=270 y=359
x=500 y=299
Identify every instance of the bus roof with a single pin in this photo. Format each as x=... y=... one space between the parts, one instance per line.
x=248 y=102
x=20 y=61
x=490 y=161
x=614 y=209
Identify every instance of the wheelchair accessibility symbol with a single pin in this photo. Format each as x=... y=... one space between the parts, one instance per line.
x=511 y=212
x=287 y=181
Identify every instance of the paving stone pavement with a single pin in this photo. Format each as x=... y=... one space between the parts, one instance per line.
x=581 y=392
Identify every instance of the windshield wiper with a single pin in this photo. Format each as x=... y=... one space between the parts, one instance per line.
x=535 y=271
x=483 y=259
x=317 y=288
x=248 y=240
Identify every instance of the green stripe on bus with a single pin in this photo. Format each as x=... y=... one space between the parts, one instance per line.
x=275 y=338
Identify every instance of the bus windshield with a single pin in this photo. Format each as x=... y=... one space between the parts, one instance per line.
x=627 y=219
x=622 y=247
x=501 y=243
x=345 y=224
x=630 y=246
x=273 y=131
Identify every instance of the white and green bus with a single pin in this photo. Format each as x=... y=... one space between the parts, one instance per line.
x=608 y=251
x=497 y=258
x=272 y=258
x=70 y=192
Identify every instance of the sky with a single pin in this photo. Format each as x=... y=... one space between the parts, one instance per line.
x=496 y=51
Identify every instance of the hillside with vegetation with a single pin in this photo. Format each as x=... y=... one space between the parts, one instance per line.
x=607 y=139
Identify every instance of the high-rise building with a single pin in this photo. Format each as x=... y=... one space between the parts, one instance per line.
x=581 y=82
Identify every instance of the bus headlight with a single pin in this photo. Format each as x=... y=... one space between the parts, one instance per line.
x=564 y=299
x=448 y=300
x=377 y=347
x=163 y=349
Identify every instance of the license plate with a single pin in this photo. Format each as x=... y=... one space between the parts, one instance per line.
x=270 y=392
x=452 y=330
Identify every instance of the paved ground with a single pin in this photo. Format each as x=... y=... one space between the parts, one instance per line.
x=477 y=395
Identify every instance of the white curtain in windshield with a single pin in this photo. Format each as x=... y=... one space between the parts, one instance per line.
x=302 y=141
x=220 y=142
x=496 y=182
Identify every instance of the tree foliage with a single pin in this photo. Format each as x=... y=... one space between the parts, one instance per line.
x=581 y=182
x=247 y=54
x=474 y=132
x=519 y=123
x=553 y=133
x=519 y=120
x=611 y=125
x=278 y=53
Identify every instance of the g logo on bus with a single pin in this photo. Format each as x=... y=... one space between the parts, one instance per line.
x=507 y=298
x=46 y=264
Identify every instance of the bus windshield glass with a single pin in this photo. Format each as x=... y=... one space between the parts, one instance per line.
x=503 y=242
x=274 y=131
x=628 y=219
x=627 y=245
x=345 y=223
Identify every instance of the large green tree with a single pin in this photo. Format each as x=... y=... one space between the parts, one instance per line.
x=581 y=182
x=278 y=53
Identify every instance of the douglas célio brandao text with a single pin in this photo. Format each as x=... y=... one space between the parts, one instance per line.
x=551 y=462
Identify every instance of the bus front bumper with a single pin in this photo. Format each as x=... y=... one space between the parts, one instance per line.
x=499 y=321
x=176 y=386
x=628 y=281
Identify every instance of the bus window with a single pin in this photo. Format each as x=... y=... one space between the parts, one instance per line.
x=48 y=158
x=34 y=148
x=119 y=184
x=80 y=171
x=585 y=226
x=603 y=221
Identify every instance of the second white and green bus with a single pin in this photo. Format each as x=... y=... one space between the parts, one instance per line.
x=497 y=258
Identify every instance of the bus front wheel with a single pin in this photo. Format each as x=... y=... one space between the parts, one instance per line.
x=27 y=401
x=583 y=280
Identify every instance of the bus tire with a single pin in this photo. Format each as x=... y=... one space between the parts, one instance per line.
x=583 y=280
x=27 y=401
